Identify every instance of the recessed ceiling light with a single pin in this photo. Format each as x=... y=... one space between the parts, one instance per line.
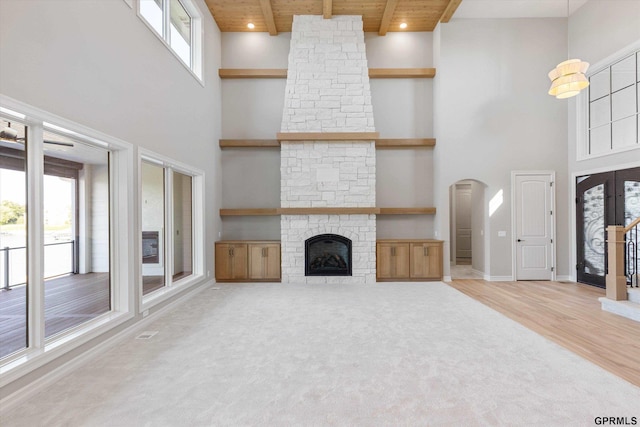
x=403 y=25
x=251 y=26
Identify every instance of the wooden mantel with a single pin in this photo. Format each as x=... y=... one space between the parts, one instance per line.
x=281 y=73
x=381 y=143
x=327 y=211
x=327 y=136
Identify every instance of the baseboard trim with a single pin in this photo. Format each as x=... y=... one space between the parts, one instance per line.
x=478 y=272
x=564 y=279
x=500 y=279
x=58 y=373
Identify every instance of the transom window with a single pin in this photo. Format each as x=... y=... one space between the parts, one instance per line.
x=177 y=23
x=613 y=107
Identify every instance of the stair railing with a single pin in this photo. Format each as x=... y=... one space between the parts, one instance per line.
x=623 y=259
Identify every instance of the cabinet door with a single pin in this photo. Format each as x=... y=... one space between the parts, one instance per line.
x=264 y=261
x=272 y=261
x=231 y=261
x=392 y=260
x=223 y=261
x=401 y=261
x=426 y=261
x=384 y=260
x=239 y=261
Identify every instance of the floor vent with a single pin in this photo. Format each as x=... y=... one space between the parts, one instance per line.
x=146 y=335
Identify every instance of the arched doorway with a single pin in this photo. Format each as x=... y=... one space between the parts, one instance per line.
x=467 y=229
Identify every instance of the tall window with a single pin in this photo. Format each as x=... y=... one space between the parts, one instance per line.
x=13 y=238
x=76 y=232
x=614 y=108
x=177 y=22
x=65 y=233
x=153 y=228
x=171 y=224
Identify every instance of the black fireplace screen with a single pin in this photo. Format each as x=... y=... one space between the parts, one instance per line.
x=327 y=255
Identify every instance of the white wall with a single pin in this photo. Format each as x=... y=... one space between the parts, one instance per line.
x=96 y=63
x=99 y=213
x=597 y=30
x=402 y=108
x=478 y=219
x=493 y=115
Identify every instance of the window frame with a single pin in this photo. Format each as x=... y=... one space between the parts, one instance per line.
x=41 y=351
x=583 y=106
x=197 y=229
x=197 y=35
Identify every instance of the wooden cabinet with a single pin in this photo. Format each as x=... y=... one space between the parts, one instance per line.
x=392 y=260
x=244 y=260
x=426 y=260
x=231 y=261
x=264 y=261
x=403 y=260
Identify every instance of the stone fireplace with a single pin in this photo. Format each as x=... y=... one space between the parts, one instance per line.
x=328 y=93
x=327 y=255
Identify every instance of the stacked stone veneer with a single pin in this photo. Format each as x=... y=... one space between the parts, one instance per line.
x=328 y=91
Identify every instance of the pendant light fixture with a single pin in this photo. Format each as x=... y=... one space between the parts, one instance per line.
x=568 y=78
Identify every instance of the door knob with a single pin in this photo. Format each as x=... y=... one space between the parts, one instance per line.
x=520 y=240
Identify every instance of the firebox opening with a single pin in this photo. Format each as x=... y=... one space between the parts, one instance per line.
x=327 y=255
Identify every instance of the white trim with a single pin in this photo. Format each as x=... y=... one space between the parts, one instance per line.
x=197 y=35
x=44 y=350
x=447 y=279
x=614 y=57
x=552 y=176
x=477 y=272
x=582 y=107
x=129 y=3
x=30 y=361
x=60 y=372
x=564 y=279
x=499 y=279
x=198 y=249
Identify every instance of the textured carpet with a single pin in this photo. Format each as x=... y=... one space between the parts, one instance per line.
x=393 y=354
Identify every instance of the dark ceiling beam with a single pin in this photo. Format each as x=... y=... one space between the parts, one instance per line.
x=268 y=17
x=450 y=10
x=389 y=9
x=327 y=9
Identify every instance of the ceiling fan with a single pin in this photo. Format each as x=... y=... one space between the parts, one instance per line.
x=9 y=134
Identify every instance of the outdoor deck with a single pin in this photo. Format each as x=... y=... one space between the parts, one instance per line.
x=69 y=301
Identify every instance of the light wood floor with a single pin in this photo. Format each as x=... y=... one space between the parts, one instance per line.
x=568 y=314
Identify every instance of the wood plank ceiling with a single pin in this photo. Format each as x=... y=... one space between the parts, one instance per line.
x=379 y=16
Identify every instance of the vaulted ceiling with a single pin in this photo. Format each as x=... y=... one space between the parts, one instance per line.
x=379 y=16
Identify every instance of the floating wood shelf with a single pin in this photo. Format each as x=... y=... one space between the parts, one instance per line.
x=327 y=136
x=402 y=73
x=281 y=73
x=249 y=212
x=249 y=143
x=326 y=211
x=329 y=211
x=380 y=143
x=407 y=211
x=405 y=142
x=252 y=73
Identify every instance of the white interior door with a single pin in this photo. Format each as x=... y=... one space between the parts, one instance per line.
x=463 y=220
x=534 y=226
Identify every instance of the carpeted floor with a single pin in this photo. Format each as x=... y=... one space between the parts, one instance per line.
x=393 y=354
